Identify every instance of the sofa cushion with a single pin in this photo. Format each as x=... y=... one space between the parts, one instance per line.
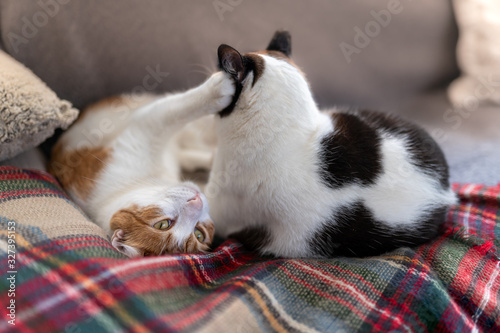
x=368 y=53
x=69 y=278
x=29 y=110
x=39 y=207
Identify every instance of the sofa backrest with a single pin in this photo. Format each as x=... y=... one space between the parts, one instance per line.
x=354 y=52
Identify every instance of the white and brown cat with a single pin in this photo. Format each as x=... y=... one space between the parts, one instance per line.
x=294 y=181
x=121 y=162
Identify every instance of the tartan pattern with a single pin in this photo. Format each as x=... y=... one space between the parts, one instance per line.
x=79 y=283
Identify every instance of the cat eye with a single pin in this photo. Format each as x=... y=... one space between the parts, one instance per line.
x=199 y=235
x=163 y=225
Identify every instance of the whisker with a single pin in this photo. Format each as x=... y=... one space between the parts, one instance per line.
x=151 y=181
x=204 y=69
x=94 y=180
x=204 y=73
x=163 y=248
x=97 y=158
x=100 y=160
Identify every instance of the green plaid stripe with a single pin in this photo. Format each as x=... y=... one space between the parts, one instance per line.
x=78 y=283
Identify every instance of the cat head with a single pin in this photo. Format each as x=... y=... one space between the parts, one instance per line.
x=267 y=81
x=163 y=220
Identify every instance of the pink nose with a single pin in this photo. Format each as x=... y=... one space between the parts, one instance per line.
x=195 y=201
x=195 y=204
x=195 y=198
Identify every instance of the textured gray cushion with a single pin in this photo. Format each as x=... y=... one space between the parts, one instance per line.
x=29 y=111
x=88 y=49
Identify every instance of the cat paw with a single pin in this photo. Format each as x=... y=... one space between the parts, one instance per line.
x=223 y=89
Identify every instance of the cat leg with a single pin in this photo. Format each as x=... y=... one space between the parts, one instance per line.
x=174 y=111
x=148 y=137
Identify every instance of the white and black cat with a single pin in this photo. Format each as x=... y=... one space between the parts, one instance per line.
x=293 y=181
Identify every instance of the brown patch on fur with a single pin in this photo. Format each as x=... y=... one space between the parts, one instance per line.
x=137 y=225
x=193 y=245
x=258 y=65
x=112 y=101
x=274 y=54
x=77 y=170
x=106 y=102
x=278 y=55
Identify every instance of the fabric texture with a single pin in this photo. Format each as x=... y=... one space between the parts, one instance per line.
x=69 y=278
x=29 y=110
x=478 y=53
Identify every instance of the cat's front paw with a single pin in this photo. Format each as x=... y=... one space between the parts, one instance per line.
x=223 y=89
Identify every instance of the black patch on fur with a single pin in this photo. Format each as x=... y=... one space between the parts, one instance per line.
x=424 y=151
x=231 y=62
x=251 y=63
x=351 y=154
x=353 y=231
x=254 y=238
x=282 y=42
x=229 y=109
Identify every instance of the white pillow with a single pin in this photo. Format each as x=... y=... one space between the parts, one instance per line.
x=478 y=53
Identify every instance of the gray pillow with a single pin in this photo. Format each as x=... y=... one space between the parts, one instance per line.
x=29 y=110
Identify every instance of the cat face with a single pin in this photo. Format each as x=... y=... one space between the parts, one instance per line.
x=267 y=81
x=176 y=223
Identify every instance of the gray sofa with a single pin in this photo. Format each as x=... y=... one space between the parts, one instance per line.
x=397 y=56
x=68 y=276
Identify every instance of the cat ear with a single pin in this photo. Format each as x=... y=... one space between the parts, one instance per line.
x=231 y=62
x=117 y=242
x=282 y=42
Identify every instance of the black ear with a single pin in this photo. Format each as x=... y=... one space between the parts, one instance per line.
x=282 y=42
x=231 y=62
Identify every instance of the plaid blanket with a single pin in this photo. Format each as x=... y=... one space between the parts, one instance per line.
x=65 y=277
